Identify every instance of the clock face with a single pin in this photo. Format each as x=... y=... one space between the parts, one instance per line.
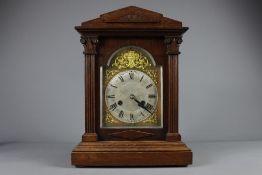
x=131 y=90
x=131 y=96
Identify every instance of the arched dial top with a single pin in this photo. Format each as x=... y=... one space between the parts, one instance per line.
x=131 y=96
x=131 y=57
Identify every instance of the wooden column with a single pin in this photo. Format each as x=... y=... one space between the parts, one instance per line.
x=90 y=50
x=172 y=44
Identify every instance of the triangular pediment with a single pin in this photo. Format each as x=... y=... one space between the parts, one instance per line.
x=132 y=14
x=131 y=17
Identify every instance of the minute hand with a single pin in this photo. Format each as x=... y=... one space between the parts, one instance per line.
x=140 y=104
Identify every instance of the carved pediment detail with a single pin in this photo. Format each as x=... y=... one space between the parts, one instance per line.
x=132 y=14
x=132 y=18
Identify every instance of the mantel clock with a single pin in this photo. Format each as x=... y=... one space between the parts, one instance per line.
x=131 y=91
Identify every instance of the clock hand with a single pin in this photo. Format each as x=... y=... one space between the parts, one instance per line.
x=134 y=98
x=140 y=104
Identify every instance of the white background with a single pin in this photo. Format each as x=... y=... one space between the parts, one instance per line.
x=42 y=80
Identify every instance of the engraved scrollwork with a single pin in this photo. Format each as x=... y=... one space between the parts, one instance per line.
x=109 y=74
x=152 y=120
x=153 y=74
x=110 y=119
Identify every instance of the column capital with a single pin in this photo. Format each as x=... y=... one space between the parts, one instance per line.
x=90 y=44
x=172 y=44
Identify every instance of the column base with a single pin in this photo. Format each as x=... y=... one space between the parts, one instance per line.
x=89 y=137
x=172 y=137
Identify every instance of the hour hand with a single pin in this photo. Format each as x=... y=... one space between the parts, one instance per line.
x=140 y=104
x=133 y=97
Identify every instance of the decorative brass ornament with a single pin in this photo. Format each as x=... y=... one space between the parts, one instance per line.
x=153 y=74
x=131 y=58
x=152 y=120
x=109 y=74
x=110 y=119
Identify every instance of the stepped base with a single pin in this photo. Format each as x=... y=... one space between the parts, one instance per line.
x=131 y=153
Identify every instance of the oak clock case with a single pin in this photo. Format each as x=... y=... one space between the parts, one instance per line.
x=131 y=91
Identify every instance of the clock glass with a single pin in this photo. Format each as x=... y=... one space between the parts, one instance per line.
x=131 y=90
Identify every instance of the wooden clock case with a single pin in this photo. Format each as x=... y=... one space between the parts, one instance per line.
x=160 y=36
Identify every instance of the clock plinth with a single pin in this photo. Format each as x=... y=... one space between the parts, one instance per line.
x=131 y=153
x=131 y=91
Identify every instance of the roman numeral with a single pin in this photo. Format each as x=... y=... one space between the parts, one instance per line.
x=149 y=107
x=113 y=106
x=121 y=78
x=151 y=96
x=148 y=86
x=141 y=78
x=121 y=114
x=131 y=74
x=113 y=86
x=142 y=114
x=131 y=116
x=111 y=96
